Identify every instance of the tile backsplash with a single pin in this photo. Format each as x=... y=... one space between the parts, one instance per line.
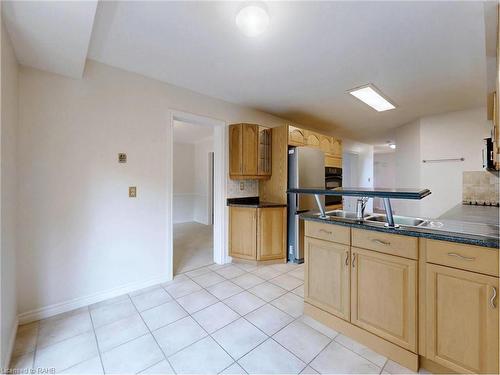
x=250 y=188
x=480 y=187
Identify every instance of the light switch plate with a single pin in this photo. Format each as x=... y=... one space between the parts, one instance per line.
x=132 y=191
x=122 y=157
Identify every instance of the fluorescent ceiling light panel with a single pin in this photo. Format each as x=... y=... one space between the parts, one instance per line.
x=370 y=95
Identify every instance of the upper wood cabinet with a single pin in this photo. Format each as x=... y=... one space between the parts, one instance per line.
x=312 y=139
x=296 y=136
x=462 y=320
x=384 y=296
x=249 y=151
x=331 y=146
x=336 y=149
x=326 y=283
x=257 y=233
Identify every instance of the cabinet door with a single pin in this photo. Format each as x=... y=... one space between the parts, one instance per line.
x=462 y=320
x=243 y=232
x=265 y=141
x=325 y=143
x=296 y=136
x=235 y=157
x=249 y=149
x=333 y=161
x=271 y=233
x=326 y=284
x=383 y=296
x=336 y=149
x=312 y=139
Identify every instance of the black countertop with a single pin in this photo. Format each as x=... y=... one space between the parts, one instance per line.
x=366 y=192
x=479 y=233
x=252 y=202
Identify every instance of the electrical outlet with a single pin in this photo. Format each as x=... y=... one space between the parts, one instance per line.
x=242 y=185
x=132 y=191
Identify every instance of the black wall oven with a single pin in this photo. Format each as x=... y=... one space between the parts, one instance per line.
x=333 y=179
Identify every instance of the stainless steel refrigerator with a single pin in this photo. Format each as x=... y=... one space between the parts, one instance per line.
x=306 y=169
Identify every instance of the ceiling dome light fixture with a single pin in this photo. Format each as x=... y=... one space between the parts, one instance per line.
x=252 y=20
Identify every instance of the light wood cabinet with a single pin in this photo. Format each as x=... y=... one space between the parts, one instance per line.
x=249 y=151
x=265 y=152
x=384 y=296
x=333 y=161
x=462 y=320
x=336 y=149
x=326 y=283
x=257 y=233
x=296 y=136
x=243 y=232
x=271 y=233
x=312 y=139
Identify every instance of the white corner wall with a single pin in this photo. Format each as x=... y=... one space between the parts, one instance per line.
x=83 y=239
x=449 y=135
x=8 y=191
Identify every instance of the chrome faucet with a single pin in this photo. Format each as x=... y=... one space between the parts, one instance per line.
x=360 y=207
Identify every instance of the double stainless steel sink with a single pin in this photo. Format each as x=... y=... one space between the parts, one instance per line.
x=378 y=218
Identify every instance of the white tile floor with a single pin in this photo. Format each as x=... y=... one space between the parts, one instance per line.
x=231 y=319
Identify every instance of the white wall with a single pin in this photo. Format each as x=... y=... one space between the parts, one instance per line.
x=362 y=169
x=83 y=238
x=191 y=181
x=408 y=160
x=449 y=135
x=202 y=212
x=184 y=183
x=384 y=174
x=8 y=191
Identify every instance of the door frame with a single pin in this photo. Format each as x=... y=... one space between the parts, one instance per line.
x=220 y=252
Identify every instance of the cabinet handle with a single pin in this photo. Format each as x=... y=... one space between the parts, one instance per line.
x=380 y=242
x=353 y=259
x=325 y=231
x=461 y=257
x=492 y=299
x=346 y=258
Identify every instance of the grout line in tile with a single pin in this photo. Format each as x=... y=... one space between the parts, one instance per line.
x=97 y=342
x=154 y=338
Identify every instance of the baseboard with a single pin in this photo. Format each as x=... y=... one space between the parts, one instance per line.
x=62 y=307
x=10 y=349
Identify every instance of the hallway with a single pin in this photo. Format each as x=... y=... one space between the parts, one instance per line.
x=193 y=246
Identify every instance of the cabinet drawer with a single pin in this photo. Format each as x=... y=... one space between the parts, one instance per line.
x=467 y=257
x=328 y=232
x=395 y=244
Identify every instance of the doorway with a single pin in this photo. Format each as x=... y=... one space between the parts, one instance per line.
x=196 y=211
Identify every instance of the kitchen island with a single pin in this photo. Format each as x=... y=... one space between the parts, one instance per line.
x=424 y=296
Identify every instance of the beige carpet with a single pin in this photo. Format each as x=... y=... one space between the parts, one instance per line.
x=193 y=246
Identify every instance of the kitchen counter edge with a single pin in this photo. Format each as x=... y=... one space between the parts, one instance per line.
x=467 y=239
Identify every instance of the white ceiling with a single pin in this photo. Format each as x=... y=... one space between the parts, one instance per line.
x=428 y=57
x=51 y=36
x=185 y=132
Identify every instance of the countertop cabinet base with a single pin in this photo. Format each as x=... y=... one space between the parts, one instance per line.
x=257 y=234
